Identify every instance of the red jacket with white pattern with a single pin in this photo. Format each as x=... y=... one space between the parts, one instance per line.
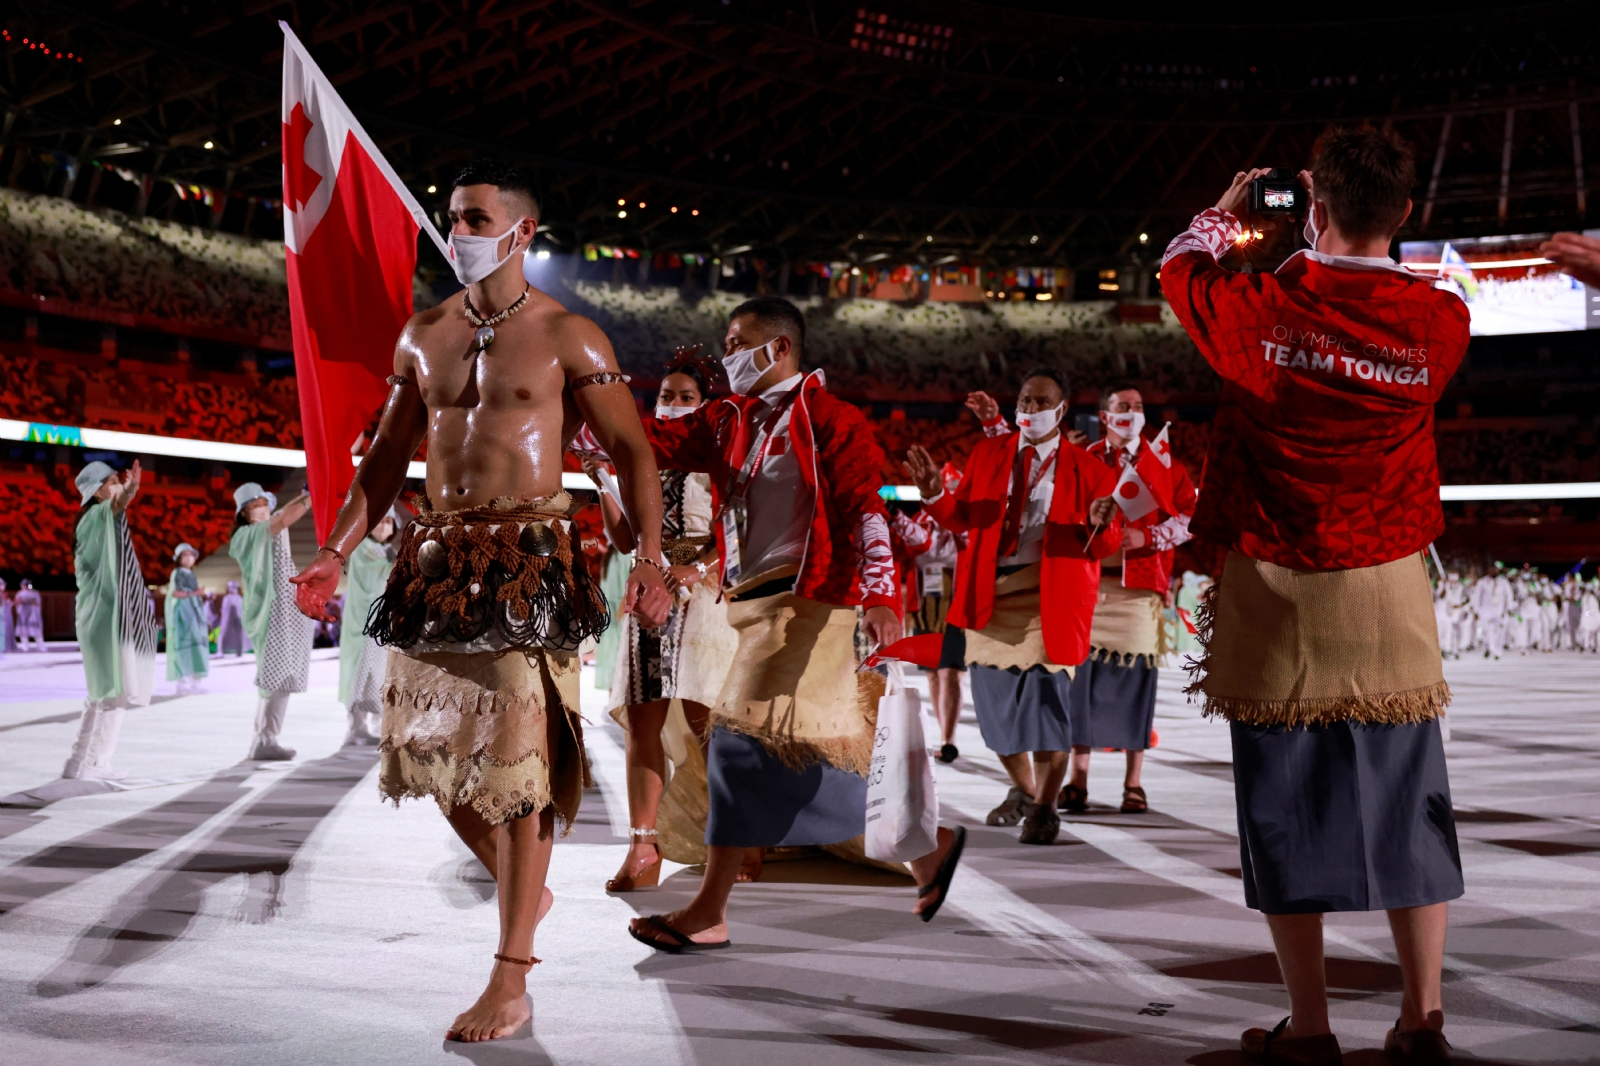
x=847 y=557
x=1069 y=580
x=1322 y=454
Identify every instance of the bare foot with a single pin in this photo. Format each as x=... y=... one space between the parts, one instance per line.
x=926 y=868
x=693 y=926
x=749 y=866
x=500 y=1011
x=503 y=1007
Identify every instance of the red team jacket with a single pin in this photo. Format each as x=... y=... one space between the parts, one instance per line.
x=1322 y=454
x=1069 y=575
x=1150 y=567
x=839 y=458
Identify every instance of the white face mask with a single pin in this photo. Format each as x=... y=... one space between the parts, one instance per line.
x=742 y=370
x=1040 y=423
x=475 y=258
x=665 y=411
x=1127 y=424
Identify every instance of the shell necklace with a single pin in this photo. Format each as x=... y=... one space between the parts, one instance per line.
x=485 y=335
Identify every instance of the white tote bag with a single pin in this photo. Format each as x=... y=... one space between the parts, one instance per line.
x=902 y=805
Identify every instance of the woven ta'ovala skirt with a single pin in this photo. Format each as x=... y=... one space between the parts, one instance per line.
x=1333 y=684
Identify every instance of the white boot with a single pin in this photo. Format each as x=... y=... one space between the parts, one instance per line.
x=104 y=744
x=270 y=710
x=79 y=759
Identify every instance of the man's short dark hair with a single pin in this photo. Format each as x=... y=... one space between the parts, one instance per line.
x=1125 y=385
x=1365 y=174
x=1047 y=372
x=510 y=178
x=777 y=314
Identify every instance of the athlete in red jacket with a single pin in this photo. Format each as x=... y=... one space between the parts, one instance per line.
x=1114 y=692
x=803 y=539
x=1037 y=515
x=1319 y=639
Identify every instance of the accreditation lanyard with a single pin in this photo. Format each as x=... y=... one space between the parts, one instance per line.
x=735 y=509
x=1039 y=473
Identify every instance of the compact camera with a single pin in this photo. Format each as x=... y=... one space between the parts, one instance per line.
x=1279 y=193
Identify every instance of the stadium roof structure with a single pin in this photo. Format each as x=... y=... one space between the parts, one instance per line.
x=822 y=130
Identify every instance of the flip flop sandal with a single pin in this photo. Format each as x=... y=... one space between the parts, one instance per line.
x=680 y=944
x=1134 y=801
x=941 y=880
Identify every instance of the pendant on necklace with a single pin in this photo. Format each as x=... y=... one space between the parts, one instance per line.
x=484 y=337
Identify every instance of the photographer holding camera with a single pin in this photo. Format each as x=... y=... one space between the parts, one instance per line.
x=1319 y=643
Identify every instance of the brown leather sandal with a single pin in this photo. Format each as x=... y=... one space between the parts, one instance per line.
x=1134 y=801
x=1073 y=800
x=1276 y=1048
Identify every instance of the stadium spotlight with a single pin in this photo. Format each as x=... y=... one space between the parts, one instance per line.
x=674 y=210
x=1144 y=238
x=433 y=188
x=116 y=122
x=208 y=146
x=695 y=212
x=622 y=214
x=1034 y=239
x=542 y=253
x=641 y=205
x=621 y=202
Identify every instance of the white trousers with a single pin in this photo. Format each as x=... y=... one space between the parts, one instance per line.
x=98 y=731
x=270 y=708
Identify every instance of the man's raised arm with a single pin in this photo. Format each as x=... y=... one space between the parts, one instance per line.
x=607 y=407
x=377 y=484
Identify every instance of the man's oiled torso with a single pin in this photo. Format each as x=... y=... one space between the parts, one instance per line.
x=499 y=419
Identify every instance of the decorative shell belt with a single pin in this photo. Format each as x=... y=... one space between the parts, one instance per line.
x=508 y=566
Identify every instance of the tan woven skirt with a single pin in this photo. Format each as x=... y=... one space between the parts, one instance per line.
x=1298 y=647
x=1014 y=636
x=793 y=684
x=498 y=731
x=1127 y=622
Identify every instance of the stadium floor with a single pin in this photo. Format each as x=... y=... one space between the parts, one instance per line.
x=217 y=911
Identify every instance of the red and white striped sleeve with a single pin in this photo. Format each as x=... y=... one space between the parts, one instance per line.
x=875 y=557
x=1213 y=231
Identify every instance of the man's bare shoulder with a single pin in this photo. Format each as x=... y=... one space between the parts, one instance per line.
x=579 y=340
x=569 y=325
x=430 y=316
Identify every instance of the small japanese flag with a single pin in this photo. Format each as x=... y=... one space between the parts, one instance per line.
x=1133 y=495
x=1161 y=448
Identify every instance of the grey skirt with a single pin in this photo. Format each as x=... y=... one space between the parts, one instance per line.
x=1022 y=710
x=757 y=801
x=1344 y=817
x=1114 y=703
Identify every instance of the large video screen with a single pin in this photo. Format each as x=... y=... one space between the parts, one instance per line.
x=1508 y=286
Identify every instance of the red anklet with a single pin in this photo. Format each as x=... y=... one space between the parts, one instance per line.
x=529 y=962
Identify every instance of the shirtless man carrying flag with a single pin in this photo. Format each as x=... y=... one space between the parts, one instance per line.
x=490 y=598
